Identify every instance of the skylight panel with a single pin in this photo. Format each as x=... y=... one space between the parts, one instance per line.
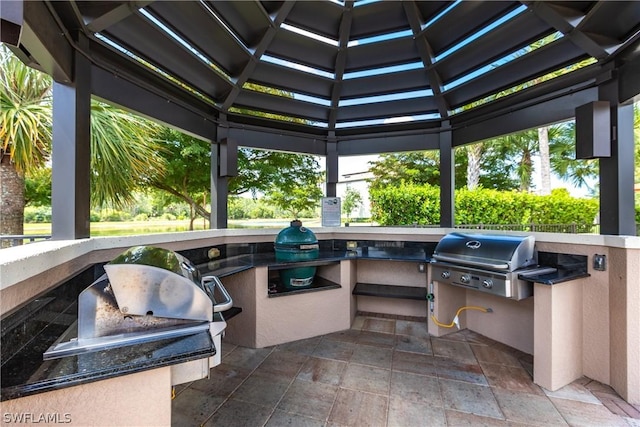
x=509 y=16
x=380 y=38
x=504 y=60
x=441 y=14
x=287 y=94
x=359 y=3
x=383 y=70
x=224 y=25
x=309 y=34
x=274 y=116
x=388 y=120
x=153 y=68
x=184 y=43
x=385 y=98
x=533 y=82
x=296 y=66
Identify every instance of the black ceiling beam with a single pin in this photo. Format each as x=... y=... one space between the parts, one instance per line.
x=426 y=55
x=341 y=62
x=517 y=119
x=136 y=98
x=551 y=16
x=260 y=49
x=43 y=42
x=115 y=15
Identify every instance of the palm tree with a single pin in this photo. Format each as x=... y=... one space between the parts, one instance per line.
x=123 y=154
x=25 y=135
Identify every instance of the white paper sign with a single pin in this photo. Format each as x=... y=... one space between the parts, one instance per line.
x=331 y=210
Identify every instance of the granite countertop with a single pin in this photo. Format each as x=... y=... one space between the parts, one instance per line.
x=100 y=365
x=238 y=263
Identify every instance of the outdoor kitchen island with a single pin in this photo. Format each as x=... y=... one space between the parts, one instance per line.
x=586 y=326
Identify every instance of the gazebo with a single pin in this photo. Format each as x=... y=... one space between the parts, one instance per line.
x=337 y=78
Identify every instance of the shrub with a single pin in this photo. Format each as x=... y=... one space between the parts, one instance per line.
x=37 y=214
x=420 y=205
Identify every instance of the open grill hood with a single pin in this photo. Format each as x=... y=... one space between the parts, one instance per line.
x=147 y=294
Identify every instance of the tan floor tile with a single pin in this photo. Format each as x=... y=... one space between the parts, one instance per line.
x=471 y=398
x=338 y=350
x=248 y=358
x=453 y=349
x=485 y=353
x=222 y=381
x=586 y=414
x=356 y=408
x=459 y=419
x=323 y=370
x=385 y=326
x=193 y=407
x=413 y=344
x=573 y=391
x=452 y=369
x=310 y=399
x=349 y=335
x=286 y=419
x=405 y=413
x=416 y=363
x=358 y=322
x=528 y=408
x=374 y=356
x=512 y=378
x=236 y=413
x=262 y=389
x=416 y=388
x=283 y=363
x=377 y=338
x=306 y=346
x=414 y=329
x=366 y=378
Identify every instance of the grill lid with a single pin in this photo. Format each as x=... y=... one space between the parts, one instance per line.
x=495 y=252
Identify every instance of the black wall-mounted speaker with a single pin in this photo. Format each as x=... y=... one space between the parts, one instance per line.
x=593 y=130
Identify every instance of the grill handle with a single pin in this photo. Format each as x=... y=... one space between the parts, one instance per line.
x=210 y=289
x=472 y=263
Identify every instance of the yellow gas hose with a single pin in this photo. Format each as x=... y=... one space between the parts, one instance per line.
x=460 y=310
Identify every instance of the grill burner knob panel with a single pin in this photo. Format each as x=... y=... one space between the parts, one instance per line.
x=487 y=283
x=465 y=279
x=445 y=274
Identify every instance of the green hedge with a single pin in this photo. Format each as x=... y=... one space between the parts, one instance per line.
x=411 y=204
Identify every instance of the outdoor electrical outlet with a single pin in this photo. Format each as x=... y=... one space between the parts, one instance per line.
x=599 y=262
x=421 y=268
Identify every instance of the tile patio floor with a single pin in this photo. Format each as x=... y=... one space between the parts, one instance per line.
x=390 y=372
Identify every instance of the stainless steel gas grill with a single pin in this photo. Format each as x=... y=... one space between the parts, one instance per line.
x=487 y=263
x=147 y=294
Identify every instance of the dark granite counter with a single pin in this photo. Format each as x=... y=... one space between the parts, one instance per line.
x=84 y=368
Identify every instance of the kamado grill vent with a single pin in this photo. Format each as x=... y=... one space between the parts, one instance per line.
x=488 y=263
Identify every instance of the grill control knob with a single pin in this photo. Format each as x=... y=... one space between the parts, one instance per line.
x=464 y=278
x=487 y=283
x=445 y=274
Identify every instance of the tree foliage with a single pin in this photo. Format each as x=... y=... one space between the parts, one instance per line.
x=352 y=200
x=261 y=171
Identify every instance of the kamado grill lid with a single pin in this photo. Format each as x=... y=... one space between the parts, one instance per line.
x=496 y=252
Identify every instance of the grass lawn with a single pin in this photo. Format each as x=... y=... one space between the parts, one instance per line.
x=124 y=228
